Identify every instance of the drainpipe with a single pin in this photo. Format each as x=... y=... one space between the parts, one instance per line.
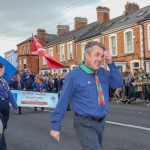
x=103 y=35
x=76 y=60
x=142 y=46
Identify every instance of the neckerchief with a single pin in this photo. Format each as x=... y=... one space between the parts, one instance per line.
x=5 y=84
x=101 y=99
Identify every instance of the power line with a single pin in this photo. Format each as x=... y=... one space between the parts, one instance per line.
x=55 y=15
x=51 y=28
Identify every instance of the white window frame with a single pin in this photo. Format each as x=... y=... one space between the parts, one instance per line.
x=70 y=51
x=62 y=53
x=44 y=61
x=97 y=40
x=131 y=64
x=82 y=50
x=110 y=44
x=24 y=61
x=148 y=66
x=125 y=43
x=148 y=31
x=72 y=67
x=51 y=51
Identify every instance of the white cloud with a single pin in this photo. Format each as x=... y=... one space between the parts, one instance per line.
x=6 y=46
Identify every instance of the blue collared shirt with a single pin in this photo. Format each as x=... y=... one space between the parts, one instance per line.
x=5 y=93
x=80 y=88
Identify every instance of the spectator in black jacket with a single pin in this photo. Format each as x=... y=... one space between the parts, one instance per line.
x=28 y=79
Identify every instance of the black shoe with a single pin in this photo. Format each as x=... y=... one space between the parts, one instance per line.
x=19 y=112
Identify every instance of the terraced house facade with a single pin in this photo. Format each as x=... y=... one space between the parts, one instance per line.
x=127 y=37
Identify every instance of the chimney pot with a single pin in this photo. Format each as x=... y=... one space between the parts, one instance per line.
x=102 y=14
x=130 y=8
x=62 y=29
x=79 y=22
x=41 y=36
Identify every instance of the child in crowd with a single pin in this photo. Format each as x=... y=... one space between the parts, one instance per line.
x=135 y=88
x=39 y=86
x=117 y=93
x=140 y=83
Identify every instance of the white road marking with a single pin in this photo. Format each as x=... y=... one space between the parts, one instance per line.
x=127 y=107
x=128 y=125
x=120 y=124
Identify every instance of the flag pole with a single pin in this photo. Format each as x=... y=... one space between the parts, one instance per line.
x=30 y=52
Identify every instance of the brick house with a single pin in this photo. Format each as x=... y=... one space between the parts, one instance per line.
x=127 y=37
x=25 y=58
x=63 y=48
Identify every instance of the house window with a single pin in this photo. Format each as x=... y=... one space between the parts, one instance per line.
x=62 y=54
x=113 y=45
x=149 y=37
x=128 y=37
x=20 y=62
x=44 y=61
x=83 y=49
x=19 y=52
x=23 y=50
x=70 y=56
x=51 y=52
x=26 y=48
x=135 y=64
x=97 y=40
x=24 y=63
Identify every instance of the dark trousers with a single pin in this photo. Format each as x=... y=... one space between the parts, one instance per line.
x=3 y=143
x=19 y=109
x=90 y=132
x=4 y=115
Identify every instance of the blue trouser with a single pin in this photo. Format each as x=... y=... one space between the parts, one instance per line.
x=90 y=132
x=4 y=114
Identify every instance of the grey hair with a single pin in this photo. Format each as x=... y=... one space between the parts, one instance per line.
x=89 y=46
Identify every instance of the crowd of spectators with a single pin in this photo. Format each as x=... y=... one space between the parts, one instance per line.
x=35 y=82
x=136 y=86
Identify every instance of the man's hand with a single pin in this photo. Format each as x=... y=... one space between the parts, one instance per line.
x=107 y=57
x=55 y=135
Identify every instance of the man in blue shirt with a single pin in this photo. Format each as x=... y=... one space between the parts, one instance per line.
x=5 y=97
x=87 y=87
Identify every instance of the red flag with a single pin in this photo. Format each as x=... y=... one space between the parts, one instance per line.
x=37 y=49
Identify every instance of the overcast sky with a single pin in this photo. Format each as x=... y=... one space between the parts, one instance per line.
x=20 y=18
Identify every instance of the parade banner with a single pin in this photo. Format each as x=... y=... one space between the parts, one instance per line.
x=35 y=99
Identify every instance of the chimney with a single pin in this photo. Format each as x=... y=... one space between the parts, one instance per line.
x=102 y=14
x=62 y=29
x=130 y=8
x=41 y=36
x=79 y=22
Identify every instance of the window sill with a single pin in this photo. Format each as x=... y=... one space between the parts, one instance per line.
x=131 y=53
x=114 y=55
